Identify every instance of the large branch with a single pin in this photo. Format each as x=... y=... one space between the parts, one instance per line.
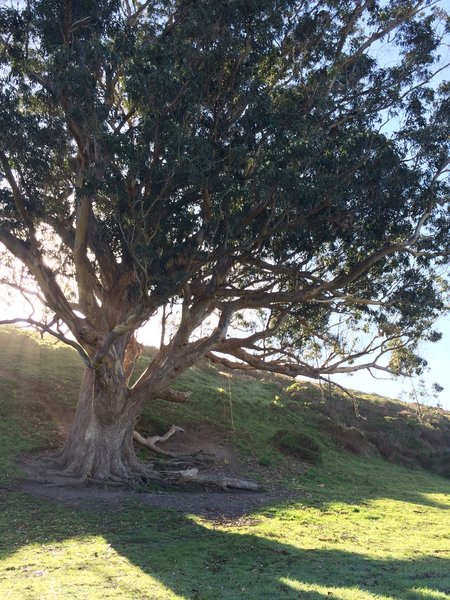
x=252 y=360
x=105 y=258
x=362 y=267
x=179 y=354
x=193 y=476
x=291 y=365
x=35 y=261
x=319 y=290
x=393 y=24
x=84 y=273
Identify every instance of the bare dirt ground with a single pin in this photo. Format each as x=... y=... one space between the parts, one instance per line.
x=232 y=507
x=221 y=506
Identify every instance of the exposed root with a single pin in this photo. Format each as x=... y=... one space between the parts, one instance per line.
x=69 y=481
x=185 y=461
x=179 y=461
x=164 y=472
x=123 y=468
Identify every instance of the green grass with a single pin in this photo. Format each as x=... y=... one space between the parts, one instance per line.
x=32 y=370
x=361 y=529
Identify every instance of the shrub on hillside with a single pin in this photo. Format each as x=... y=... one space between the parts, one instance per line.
x=299 y=445
x=386 y=444
x=347 y=438
x=441 y=463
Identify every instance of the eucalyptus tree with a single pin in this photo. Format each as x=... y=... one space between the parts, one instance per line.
x=275 y=167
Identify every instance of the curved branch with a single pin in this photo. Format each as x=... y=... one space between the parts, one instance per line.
x=46 y=279
x=43 y=327
x=173 y=395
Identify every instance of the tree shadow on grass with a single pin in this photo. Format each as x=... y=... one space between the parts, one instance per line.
x=200 y=563
x=235 y=565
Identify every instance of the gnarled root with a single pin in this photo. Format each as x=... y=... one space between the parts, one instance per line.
x=117 y=464
x=180 y=477
x=170 y=472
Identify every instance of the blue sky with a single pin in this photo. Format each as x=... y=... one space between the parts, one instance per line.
x=438 y=357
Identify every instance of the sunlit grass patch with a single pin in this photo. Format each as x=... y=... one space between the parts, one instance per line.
x=429 y=594
x=308 y=549
x=86 y=567
x=333 y=592
x=442 y=500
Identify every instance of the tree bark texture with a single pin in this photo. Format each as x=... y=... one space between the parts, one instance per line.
x=100 y=443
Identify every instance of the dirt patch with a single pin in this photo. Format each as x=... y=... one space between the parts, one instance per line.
x=229 y=507
x=202 y=437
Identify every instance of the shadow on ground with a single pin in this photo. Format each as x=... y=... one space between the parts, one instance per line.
x=198 y=562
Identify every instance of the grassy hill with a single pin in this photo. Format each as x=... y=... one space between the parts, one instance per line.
x=357 y=526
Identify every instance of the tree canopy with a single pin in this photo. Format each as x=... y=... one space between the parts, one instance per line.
x=277 y=167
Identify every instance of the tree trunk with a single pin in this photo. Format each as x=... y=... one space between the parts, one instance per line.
x=100 y=443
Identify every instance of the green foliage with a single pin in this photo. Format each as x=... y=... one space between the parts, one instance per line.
x=298 y=444
x=232 y=154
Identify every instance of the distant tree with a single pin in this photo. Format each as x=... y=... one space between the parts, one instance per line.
x=424 y=398
x=277 y=167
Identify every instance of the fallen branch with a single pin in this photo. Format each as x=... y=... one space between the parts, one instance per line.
x=185 y=461
x=152 y=441
x=193 y=476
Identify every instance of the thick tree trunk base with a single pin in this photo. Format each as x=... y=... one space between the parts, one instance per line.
x=102 y=453
x=102 y=460
x=100 y=448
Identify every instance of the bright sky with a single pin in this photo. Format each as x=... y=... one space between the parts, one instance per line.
x=438 y=357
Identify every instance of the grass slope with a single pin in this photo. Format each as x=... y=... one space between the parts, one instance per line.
x=362 y=528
